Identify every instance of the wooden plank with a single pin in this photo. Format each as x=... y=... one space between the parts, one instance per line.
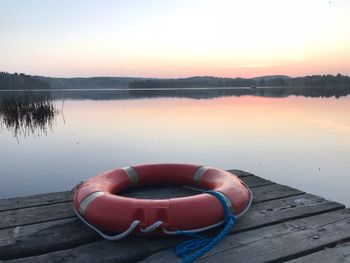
x=240 y=173
x=338 y=254
x=276 y=243
x=29 y=239
x=271 y=243
x=35 y=200
x=273 y=191
x=45 y=237
x=302 y=238
x=129 y=250
x=264 y=213
x=255 y=181
x=274 y=211
x=38 y=214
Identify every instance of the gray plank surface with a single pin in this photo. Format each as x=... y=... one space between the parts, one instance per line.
x=45 y=237
x=43 y=228
x=35 y=200
x=256 y=181
x=274 y=211
x=273 y=191
x=276 y=243
x=263 y=213
x=338 y=254
x=279 y=241
x=38 y=214
x=240 y=173
x=37 y=238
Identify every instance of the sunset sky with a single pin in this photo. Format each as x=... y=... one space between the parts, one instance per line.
x=175 y=38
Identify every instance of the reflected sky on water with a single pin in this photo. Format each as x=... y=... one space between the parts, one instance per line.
x=294 y=140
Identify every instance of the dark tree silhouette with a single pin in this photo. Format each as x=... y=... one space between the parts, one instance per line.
x=21 y=81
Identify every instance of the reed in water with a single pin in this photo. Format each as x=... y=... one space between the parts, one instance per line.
x=27 y=114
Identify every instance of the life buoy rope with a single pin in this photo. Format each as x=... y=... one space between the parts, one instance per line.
x=116 y=237
x=192 y=249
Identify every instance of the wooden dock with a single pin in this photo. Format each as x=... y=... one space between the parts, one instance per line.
x=283 y=224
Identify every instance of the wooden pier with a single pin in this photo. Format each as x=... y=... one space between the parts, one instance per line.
x=283 y=224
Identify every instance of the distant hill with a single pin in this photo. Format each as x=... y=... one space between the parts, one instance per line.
x=22 y=81
x=272 y=77
x=88 y=83
x=264 y=81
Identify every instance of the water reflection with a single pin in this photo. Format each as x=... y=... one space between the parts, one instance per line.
x=194 y=93
x=204 y=93
x=293 y=140
x=27 y=113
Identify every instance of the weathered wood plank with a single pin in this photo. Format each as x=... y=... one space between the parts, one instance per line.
x=279 y=241
x=45 y=237
x=240 y=173
x=255 y=181
x=338 y=254
x=38 y=214
x=276 y=243
x=36 y=238
x=29 y=245
x=302 y=238
x=35 y=200
x=261 y=214
x=273 y=191
x=129 y=250
x=274 y=211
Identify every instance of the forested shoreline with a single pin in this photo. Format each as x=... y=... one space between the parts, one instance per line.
x=267 y=81
x=21 y=81
x=18 y=81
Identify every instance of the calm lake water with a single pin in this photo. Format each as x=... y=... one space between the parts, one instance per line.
x=299 y=141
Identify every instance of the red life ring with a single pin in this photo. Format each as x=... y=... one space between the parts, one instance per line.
x=96 y=200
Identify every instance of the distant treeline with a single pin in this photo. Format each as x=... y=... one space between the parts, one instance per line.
x=88 y=83
x=269 y=81
x=21 y=81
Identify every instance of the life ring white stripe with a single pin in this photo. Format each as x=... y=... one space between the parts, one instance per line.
x=132 y=174
x=199 y=173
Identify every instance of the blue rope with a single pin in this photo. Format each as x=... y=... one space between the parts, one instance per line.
x=194 y=248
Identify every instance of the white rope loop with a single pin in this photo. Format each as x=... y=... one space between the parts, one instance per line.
x=127 y=232
x=152 y=227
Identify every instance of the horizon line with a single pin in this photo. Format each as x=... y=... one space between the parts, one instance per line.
x=183 y=77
